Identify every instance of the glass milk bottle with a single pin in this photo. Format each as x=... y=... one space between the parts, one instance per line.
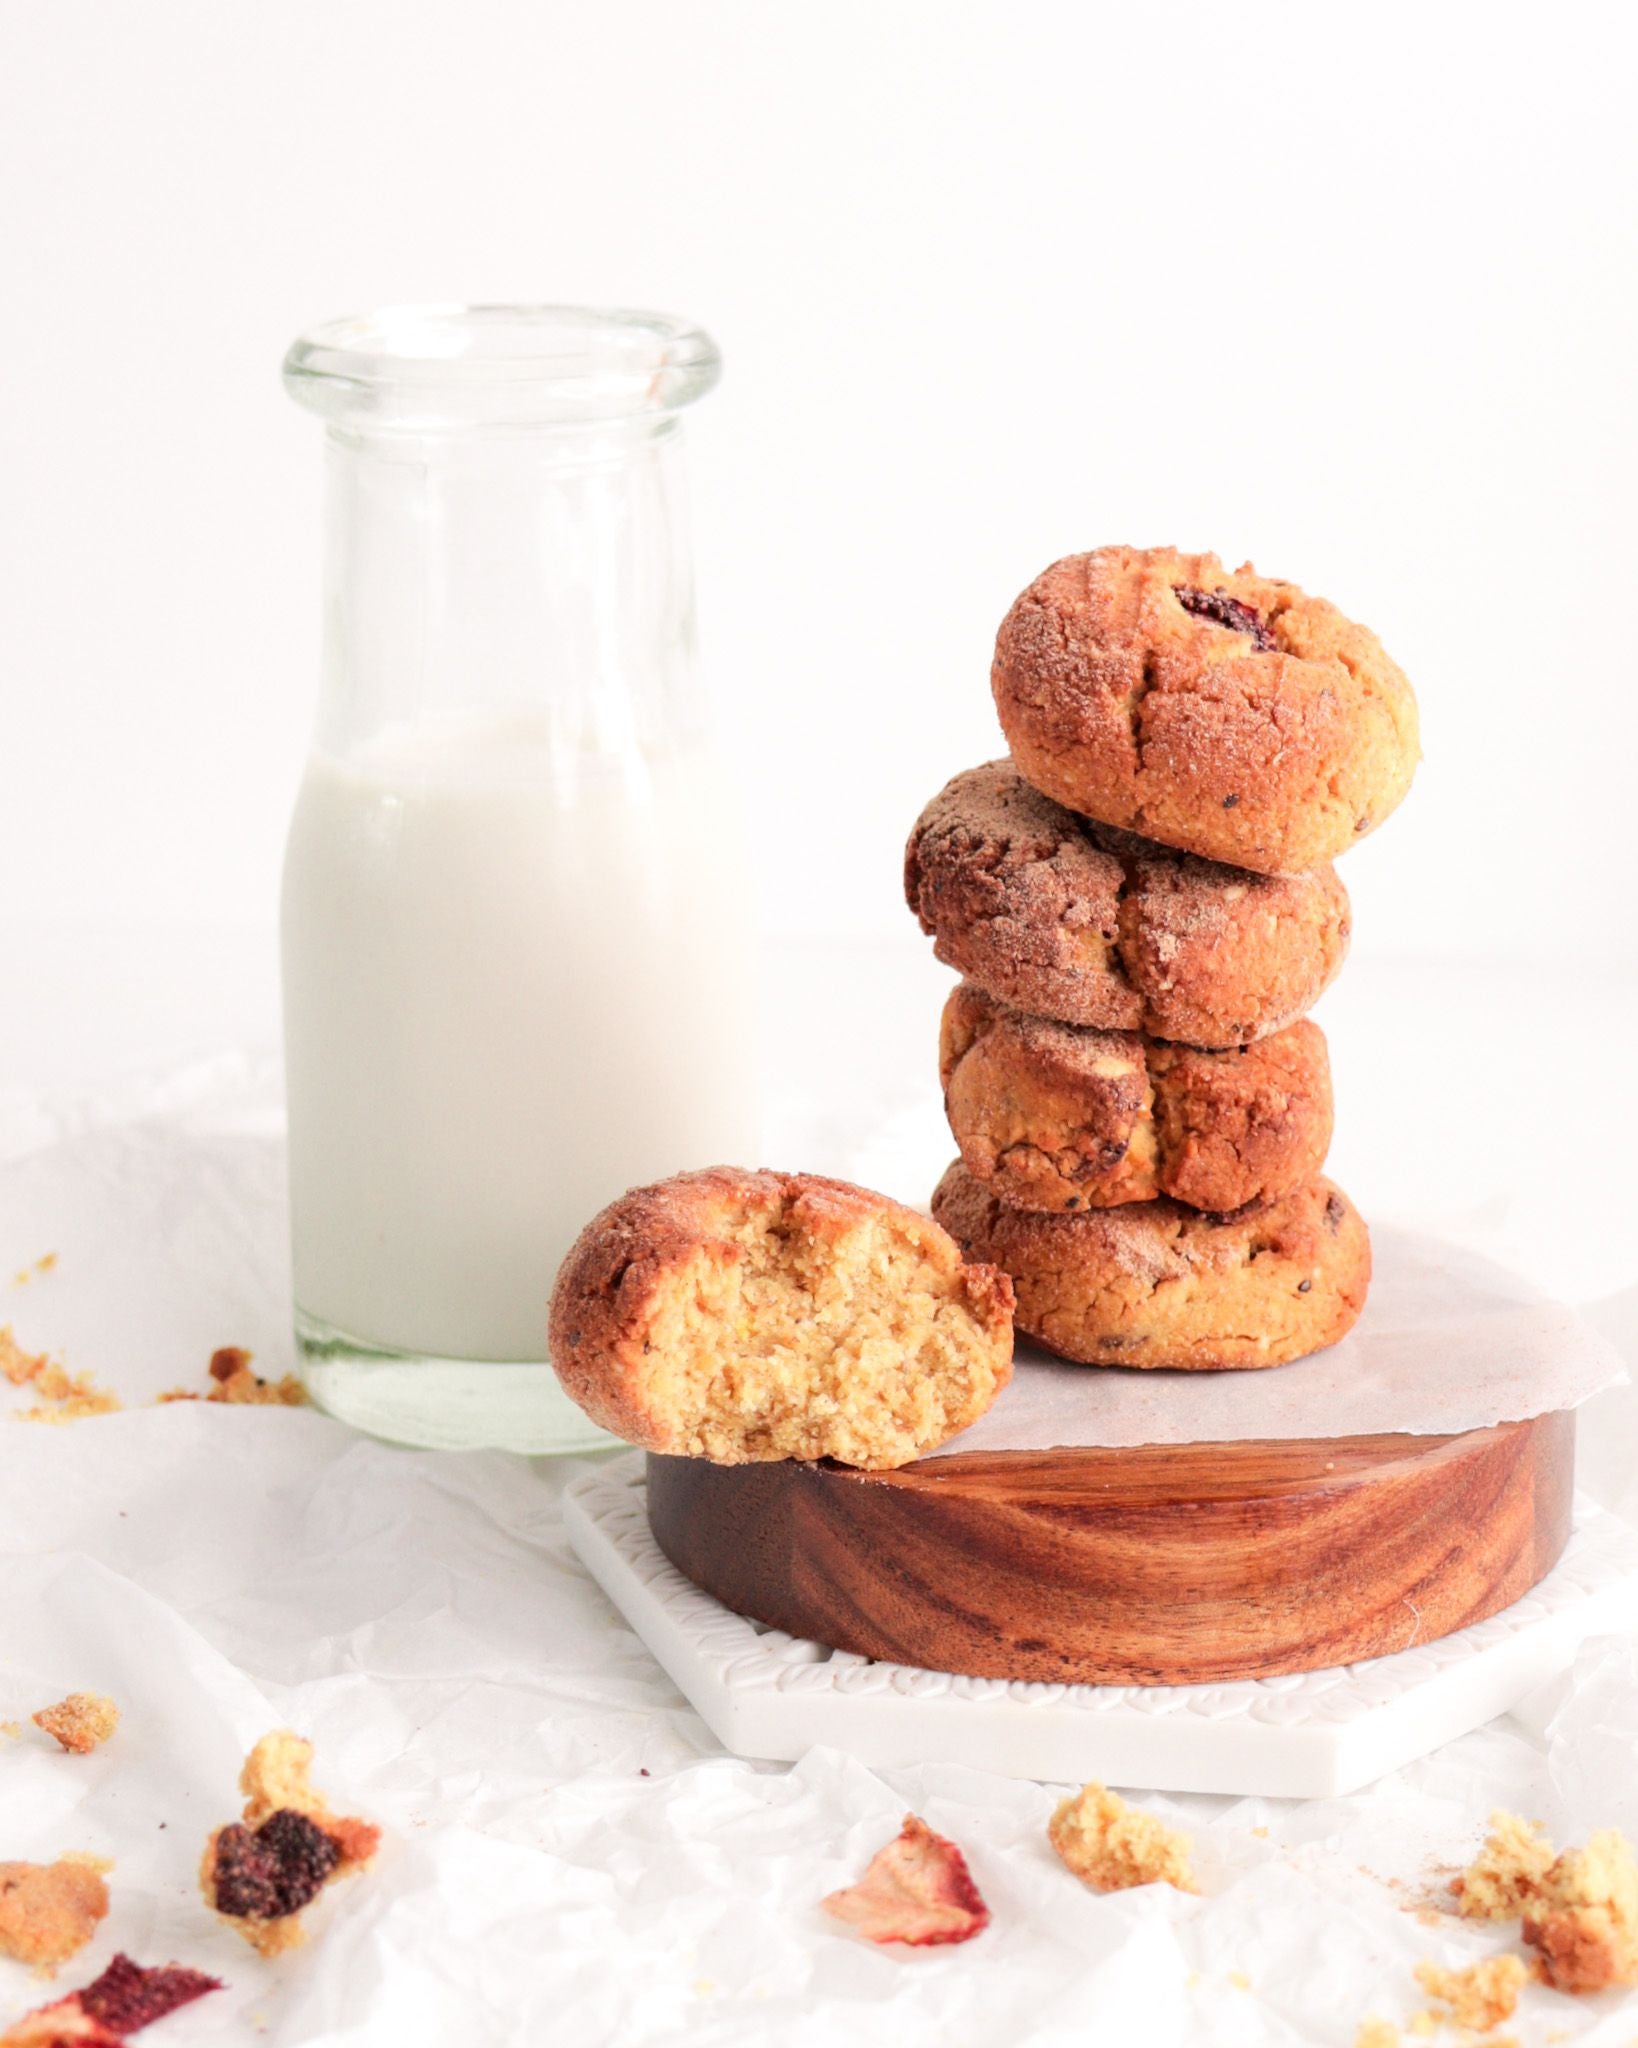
x=515 y=928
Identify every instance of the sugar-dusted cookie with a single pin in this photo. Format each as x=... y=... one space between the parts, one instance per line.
x=1070 y=919
x=1058 y=1116
x=743 y=1316
x=1158 y=1284
x=1215 y=710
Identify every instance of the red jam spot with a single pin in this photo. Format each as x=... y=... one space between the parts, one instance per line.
x=1222 y=610
x=275 y=1870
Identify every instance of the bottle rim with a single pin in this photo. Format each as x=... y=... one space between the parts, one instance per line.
x=445 y=368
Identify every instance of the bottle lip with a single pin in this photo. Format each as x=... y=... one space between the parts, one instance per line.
x=445 y=368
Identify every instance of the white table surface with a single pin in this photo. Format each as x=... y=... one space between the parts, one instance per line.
x=568 y=1856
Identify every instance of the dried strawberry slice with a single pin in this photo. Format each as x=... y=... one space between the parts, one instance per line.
x=59 y=2025
x=123 y=2000
x=918 y=1890
x=127 y=1997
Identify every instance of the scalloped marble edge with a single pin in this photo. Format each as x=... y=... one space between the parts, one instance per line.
x=1313 y=1734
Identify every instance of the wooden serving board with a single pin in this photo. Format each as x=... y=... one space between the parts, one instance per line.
x=1164 y=1565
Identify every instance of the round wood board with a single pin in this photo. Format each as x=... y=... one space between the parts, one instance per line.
x=1164 y=1565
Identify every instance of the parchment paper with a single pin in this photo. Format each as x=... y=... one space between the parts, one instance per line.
x=1448 y=1341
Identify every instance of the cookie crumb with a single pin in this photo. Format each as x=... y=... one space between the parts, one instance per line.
x=80 y=1722
x=1239 y=1980
x=68 y=1396
x=1477 y=1998
x=917 y=1890
x=1375 y=2033
x=233 y=1383
x=65 y=1396
x=16 y=1364
x=260 y=1872
x=84 y=1400
x=1506 y=1875
x=1113 y=1847
x=1580 y=1909
x=48 y=1911
x=1583 y=1917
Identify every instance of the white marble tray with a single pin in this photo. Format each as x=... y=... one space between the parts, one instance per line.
x=1310 y=1735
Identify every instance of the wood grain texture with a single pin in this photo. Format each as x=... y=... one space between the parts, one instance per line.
x=1164 y=1565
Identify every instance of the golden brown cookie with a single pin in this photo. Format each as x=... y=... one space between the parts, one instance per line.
x=1067 y=918
x=1157 y=1284
x=1215 y=710
x=743 y=1316
x=1057 y=1116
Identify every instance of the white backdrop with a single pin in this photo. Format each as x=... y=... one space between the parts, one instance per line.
x=1348 y=290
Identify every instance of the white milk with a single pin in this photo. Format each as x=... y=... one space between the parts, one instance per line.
x=509 y=995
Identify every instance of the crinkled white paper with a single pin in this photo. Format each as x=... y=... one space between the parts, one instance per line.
x=222 y=1571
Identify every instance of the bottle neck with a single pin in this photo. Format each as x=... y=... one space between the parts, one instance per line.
x=541 y=575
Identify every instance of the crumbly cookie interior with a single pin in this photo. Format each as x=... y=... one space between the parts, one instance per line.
x=1113 y=1847
x=49 y=1911
x=1585 y=1927
x=774 y=1342
x=1505 y=1879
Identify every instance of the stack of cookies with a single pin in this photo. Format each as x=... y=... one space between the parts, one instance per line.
x=1143 y=906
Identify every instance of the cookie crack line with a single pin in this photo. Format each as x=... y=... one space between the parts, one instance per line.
x=1127 y=951
x=1148 y=683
